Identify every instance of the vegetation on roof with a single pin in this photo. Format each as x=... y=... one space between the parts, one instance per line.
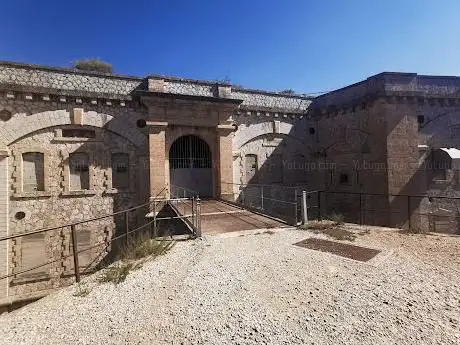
x=93 y=65
x=287 y=92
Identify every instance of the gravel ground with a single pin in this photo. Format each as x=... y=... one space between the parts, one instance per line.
x=260 y=289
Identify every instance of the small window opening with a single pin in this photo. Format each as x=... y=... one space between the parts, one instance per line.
x=33 y=172
x=343 y=179
x=120 y=170
x=78 y=133
x=79 y=171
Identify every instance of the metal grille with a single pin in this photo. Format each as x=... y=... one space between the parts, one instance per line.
x=189 y=152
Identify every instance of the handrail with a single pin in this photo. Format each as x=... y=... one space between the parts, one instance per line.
x=72 y=227
x=265 y=185
x=9 y=237
x=61 y=258
x=185 y=189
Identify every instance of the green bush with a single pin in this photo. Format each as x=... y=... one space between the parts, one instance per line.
x=94 y=65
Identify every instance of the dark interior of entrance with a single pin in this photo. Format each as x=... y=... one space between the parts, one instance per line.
x=190 y=165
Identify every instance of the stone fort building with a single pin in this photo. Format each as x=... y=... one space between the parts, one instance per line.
x=75 y=145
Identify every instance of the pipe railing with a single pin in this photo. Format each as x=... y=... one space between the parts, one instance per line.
x=74 y=239
x=275 y=200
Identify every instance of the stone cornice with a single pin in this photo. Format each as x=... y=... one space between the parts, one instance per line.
x=162 y=97
x=68 y=70
x=70 y=98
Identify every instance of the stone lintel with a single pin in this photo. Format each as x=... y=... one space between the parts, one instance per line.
x=156 y=127
x=224 y=129
x=4 y=152
x=157 y=124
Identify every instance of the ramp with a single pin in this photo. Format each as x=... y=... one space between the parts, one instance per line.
x=219 y=217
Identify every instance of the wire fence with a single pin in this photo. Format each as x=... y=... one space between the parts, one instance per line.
x=282 y=202
x=433 y=213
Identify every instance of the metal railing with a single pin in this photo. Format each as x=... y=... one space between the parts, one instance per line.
x=167 y=216
x=279 y=201
x=184 y=206
x=123 y=223
x=424 y=212
x=182 y=192
x=168 y=221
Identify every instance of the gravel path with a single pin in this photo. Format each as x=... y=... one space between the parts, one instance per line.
x=260 y=289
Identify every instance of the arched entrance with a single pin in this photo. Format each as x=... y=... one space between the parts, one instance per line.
x=190 y=164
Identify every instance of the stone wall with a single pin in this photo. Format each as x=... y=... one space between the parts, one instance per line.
x=34 y=78
x=410 y=116
x=36 y=125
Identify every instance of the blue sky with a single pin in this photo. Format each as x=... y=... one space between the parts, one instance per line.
x=309 y=46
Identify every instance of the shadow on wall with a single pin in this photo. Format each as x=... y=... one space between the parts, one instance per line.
x=362 y=164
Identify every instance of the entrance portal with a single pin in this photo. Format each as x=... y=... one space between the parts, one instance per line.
x=190 y=164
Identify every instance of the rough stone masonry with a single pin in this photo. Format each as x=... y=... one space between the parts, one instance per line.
x=76 y=145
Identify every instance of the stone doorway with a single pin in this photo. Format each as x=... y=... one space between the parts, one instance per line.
x=190 y=165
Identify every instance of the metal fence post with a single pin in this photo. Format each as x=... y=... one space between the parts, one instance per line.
x=319 y=205
x=262 y=197
x=296 y=204
x=409 y=212
x=193 y=212
x=75 y=253
x=127 y=225
x=304 y=208
x=198 y=217
x=155 y=230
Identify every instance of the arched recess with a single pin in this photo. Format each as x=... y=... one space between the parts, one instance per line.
x=247 y=133
x=271 y=158
x=190 y=165
x=21 y=125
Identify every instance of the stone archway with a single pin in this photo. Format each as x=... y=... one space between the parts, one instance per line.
x=190 y=165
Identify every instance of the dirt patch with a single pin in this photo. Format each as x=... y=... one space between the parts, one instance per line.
x=346 y=250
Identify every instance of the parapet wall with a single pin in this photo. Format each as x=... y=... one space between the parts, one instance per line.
x=63 y=81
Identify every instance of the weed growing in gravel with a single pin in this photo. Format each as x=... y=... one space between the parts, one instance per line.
x=142 y=247
x=268 y=232
x=116 y=273
x=330 y=227
x=365 y=232
x=339 y=234
x=337 y=218
x=138 y=250
x=412 y=231
x=82 y=290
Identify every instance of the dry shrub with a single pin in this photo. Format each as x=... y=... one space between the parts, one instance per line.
x=138 y=250
x=82 y=290
x=331 y=227
x=144 y=247
x=94 y=65
x=116 y=273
